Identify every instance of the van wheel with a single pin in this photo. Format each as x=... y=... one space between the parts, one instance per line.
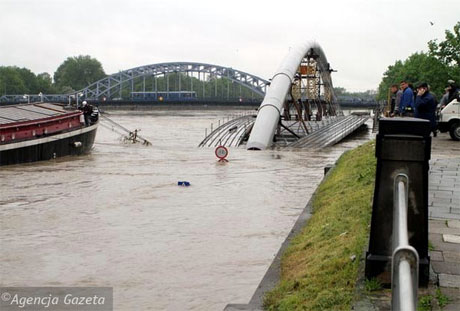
x=455 y=131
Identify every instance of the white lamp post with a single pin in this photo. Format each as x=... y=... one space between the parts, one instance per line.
x=70 y=97
x=41 y=96
x=78 y=94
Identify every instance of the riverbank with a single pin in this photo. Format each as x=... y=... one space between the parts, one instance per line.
x=317 y=266
x=320 y=267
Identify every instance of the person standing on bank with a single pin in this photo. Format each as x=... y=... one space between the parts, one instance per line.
x=396 y=94
x=444 y=98
x=406 y=107
x=393 y=91
x=425 y=106
x=452 y=91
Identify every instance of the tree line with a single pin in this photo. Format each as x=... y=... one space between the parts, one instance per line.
x=368 y=95
x=73 y=74
x=435 y=67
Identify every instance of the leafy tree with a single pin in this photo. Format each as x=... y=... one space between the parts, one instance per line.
x=355 y=99
x=447 y=51
x=339 y=91
x=30 y=80
x=14 y=80
x=440 y=64
x=66 y=90
x=366 y=95
x=419 y=67
x=78 y=72
x=45 y=83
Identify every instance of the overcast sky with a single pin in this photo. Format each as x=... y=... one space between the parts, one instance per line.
x=360 y=38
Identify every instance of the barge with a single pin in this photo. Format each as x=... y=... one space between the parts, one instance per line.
x=44 y=131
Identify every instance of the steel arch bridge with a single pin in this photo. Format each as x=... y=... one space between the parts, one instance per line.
x=114 y=83
x=111 y=86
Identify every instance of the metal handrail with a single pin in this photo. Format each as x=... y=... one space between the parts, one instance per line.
x=405 y=259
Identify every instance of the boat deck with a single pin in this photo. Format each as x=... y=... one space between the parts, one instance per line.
x=29 y=112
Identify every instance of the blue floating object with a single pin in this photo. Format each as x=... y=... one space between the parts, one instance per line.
x=183 y=183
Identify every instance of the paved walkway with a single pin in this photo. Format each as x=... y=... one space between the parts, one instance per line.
x=444 y=211
x=444 y=188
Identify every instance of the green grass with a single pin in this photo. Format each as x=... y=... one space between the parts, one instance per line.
x=372 y=285
x=424 y=303
x=442 y=299
x=428 y=302
x=317 y=272
x=430 y=246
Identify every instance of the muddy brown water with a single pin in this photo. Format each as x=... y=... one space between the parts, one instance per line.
x=118 y=218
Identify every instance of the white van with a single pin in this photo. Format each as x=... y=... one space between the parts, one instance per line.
x=449 y=119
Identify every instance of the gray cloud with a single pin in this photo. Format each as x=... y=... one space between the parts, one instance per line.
x=360 y=38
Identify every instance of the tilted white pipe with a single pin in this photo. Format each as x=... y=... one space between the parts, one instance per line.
x=268 y=116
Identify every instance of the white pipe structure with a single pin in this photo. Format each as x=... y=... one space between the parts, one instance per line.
x=262 y=133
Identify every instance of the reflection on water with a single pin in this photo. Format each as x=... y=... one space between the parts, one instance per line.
x=117 y=218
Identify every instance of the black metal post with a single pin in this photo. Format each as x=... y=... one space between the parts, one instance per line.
x=403 y=147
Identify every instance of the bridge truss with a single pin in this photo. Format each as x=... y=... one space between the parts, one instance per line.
x=112 y=85
x=121 y=85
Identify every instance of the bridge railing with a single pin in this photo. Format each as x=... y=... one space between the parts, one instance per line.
x=405 y=260
x=31 y=98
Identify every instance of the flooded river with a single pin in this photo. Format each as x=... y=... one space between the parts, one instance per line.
x=118 y=218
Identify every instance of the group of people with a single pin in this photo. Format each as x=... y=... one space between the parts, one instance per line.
x=419 y=102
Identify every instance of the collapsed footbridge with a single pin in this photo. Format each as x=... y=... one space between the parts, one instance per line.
x=299 y=109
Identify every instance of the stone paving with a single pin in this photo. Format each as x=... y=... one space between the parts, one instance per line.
x=444 y=232
x=444 y=211
x=444 y=188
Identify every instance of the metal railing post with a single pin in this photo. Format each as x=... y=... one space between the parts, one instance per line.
x=400 y=201
x=405 y=259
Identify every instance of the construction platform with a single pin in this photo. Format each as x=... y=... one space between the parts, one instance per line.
x=294 y=134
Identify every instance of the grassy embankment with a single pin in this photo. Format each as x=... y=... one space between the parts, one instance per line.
x=319 y=269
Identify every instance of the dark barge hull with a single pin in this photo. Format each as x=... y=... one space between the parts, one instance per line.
x=74 y=142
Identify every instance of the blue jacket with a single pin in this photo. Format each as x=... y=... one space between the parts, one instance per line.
x=425 y=108
x=407 y=99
